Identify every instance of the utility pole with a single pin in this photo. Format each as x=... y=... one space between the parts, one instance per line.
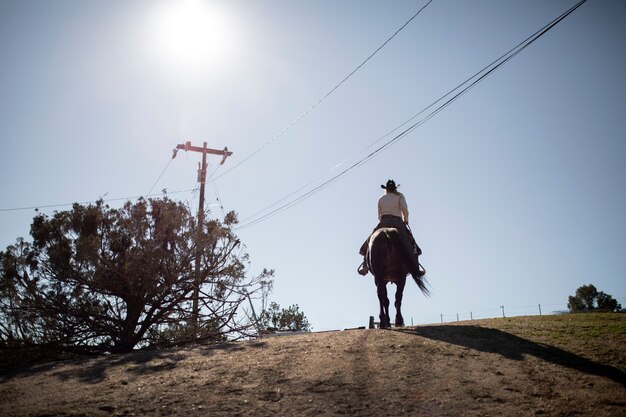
x=202 y=180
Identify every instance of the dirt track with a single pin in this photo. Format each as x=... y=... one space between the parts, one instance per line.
x=443 y=370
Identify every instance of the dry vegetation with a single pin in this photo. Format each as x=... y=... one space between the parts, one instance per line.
x=552 y=365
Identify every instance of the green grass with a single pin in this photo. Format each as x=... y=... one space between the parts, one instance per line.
x=583 y=325
x=596 y=335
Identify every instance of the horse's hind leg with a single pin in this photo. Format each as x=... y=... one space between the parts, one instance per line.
x=381 y=288
x=398 y=304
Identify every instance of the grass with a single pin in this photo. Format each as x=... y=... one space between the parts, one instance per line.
x=600 y=336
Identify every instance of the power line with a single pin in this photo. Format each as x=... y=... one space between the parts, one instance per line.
x=305 y=113
x=148 y=194
x=491 y=67
x=270 y=141
x=217 y=196
x=93 y=201
x=159 y=178
x=477 y=78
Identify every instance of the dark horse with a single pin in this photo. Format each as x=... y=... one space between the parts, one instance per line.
x=387 y=260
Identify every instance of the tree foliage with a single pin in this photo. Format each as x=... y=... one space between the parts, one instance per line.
x=285 y=319
x=101 y=279
x=588 y=298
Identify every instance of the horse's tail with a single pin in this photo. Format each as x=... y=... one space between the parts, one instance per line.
x=407 y=257
x=422 y=284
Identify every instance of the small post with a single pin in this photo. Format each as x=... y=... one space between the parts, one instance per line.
x=540 y=309
x=259 y=329
x=411 y=321
x=471 y=316
x=457 y=316
x=442 y=318
x=371 y=324
x=503 y=316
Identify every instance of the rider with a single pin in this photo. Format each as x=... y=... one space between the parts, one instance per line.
x=394 y=212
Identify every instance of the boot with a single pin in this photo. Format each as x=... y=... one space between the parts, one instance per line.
x=363 y=270
x=420 y=271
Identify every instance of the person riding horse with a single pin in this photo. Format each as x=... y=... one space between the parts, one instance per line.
x=393 y=211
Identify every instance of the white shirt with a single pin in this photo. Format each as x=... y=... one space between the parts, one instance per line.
x=394 y=204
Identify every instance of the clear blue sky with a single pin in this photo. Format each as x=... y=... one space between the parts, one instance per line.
x=517 y=191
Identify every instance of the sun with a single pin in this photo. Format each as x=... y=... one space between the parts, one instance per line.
x=191 y=37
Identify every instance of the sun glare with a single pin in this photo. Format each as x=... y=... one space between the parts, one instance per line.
x=191 y=37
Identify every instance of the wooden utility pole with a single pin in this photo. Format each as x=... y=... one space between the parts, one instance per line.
x=202 y=180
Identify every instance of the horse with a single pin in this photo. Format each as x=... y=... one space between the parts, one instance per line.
x=387 y=261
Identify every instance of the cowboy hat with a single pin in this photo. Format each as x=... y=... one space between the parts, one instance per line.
x=390 y=186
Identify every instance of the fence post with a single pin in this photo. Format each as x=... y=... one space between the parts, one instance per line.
x=442 y=318
x=371 y=323
x=471 y=316
x=503 y=316
x=540 y=309
x=457 y=316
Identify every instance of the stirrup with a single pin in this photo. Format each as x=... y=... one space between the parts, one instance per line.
x=362 y=270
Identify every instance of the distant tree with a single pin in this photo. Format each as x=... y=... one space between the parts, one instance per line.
x=107 y=280
x=584 y=299
x=285 y=319
x=607 y=303
x=588 y=298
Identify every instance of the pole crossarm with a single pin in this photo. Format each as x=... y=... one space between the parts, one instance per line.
x=187 y=146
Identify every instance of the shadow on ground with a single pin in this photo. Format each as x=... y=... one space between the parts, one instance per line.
x=95 y=370
x=514 y=347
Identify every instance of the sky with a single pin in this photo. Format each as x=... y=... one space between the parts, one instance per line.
x=516 y=191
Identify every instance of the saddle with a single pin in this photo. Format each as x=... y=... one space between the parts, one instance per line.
x=421 y=271
x=416 y=247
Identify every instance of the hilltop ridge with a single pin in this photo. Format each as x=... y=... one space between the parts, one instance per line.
x=550 y=365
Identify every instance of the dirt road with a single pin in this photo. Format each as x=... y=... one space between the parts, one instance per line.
x=496 y=368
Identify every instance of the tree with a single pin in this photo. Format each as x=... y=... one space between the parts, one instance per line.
x=285 y=319
x=588 y=298
x=607 y=303
x=107 y=280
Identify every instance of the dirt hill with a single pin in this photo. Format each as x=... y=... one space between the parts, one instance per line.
x=551 y=365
